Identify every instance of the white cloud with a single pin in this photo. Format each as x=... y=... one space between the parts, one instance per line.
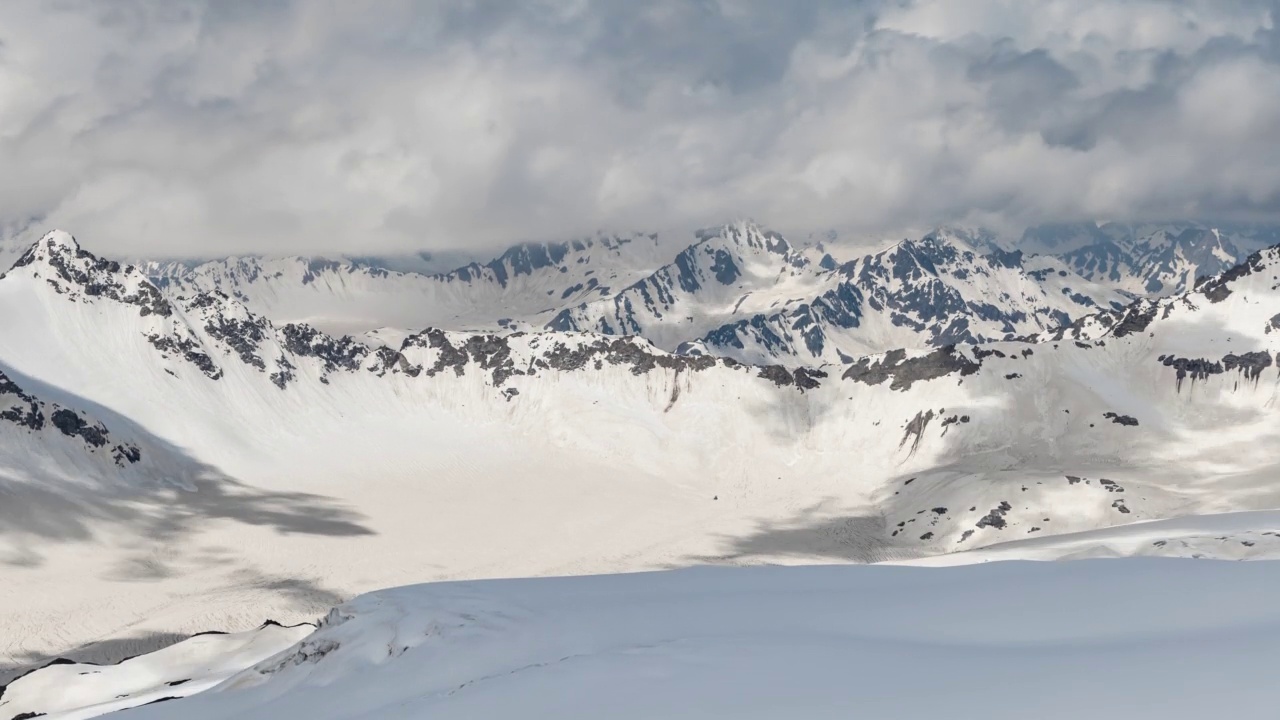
x=187 y=127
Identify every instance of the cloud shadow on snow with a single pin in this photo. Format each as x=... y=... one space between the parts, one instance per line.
x=812 y=532
x=151 y=521
x=1196 y=446
x=41 y=504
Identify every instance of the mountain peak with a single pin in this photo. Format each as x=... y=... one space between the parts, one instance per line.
x=58 y=260
x=53 y=244
x=60 y=239
x=60 y=251
x=747 y=234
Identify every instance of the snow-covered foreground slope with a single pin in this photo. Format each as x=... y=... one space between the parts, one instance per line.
x=1132 y=639
x=72 y=691
x=280 y=470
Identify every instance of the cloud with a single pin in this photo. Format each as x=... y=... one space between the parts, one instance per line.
x=187 y=127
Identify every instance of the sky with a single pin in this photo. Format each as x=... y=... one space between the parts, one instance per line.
x=197 y=128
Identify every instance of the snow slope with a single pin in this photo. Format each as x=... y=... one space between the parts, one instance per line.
x=282 y=469
x=1148 y=260
x=523 y=286
x=1132 y=639
x=1252 y=535
x=71 y=691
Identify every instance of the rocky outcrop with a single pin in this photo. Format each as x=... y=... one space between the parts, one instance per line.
x=904 y=371
x=60 y=261
x=28 y=412
x=335 y=354
x=1250 y=365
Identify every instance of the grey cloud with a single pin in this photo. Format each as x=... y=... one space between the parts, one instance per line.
x=175 y=127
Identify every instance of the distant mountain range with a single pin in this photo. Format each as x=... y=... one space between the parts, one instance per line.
x=745 y=292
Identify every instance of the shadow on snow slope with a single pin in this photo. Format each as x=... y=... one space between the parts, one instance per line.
x=1039 y=455
x=42 y=504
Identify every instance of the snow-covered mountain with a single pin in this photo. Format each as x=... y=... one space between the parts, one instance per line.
x=1146 y=260
x=525 y=283
x=738 y=291
x=279 y=468
x=931 y=292
x=729 y=271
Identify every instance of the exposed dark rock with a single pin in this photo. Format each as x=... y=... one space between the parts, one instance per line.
x=905 y=371
x=1195 y=368
x=343 y=353
x=393 y=361
x=189 y=350
x=995 y=518
x=284 y=372
x=27 y=412
x=1120 y=419
x=242 y=336
x=126 y=454
x=1218 y=288
x=777 y=374
x=915 y=429
x=493 y=353
x=1250 y=364
x=1135 y=319
x=801 y=378
x=72 y=425
x=808 y=378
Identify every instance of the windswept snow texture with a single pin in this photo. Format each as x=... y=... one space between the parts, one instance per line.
x=1138 y=639
x=71 y=691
